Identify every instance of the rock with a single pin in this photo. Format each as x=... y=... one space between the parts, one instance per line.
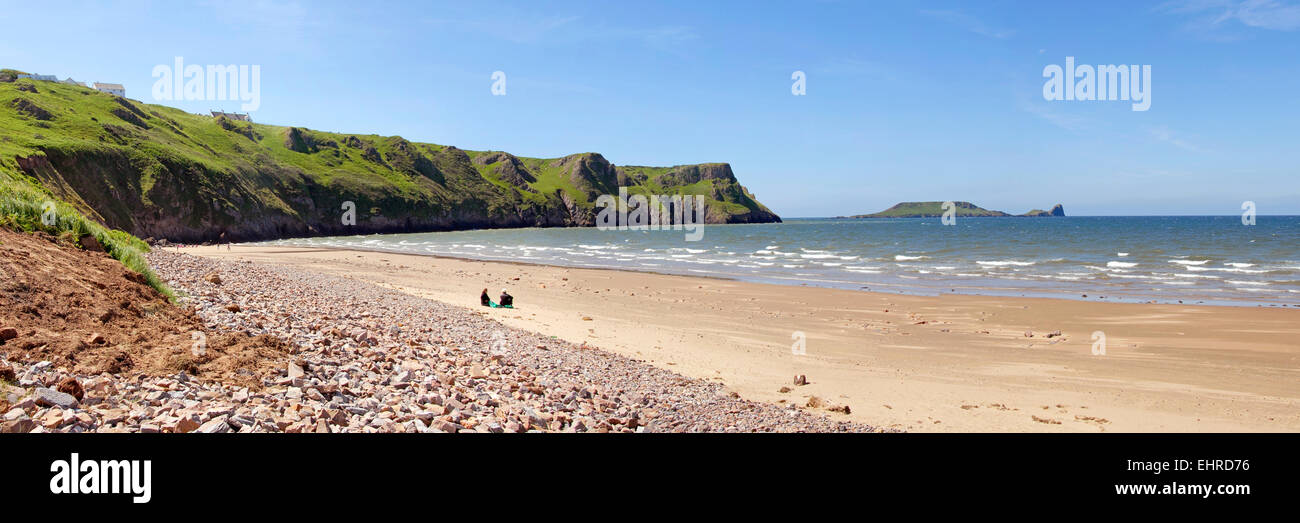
x=186 y=425
x=1029 y=334
x=53 y=398
x=800 y=379
x=213 y=278
x=95 y=339
x=7 y=373
x=1053 y=334
x=70 y=385
x=8 y=333
x=214 y=426
x=90 y=243
x=295 y=370
x=21 y=425
x=233 y=307
x=477 y=372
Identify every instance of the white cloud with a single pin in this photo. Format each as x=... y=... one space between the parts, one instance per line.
x=1069 y=122
x=968 y=22
x=1166 y=135
x=1279 y=15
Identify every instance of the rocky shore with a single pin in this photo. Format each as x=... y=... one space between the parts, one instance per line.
x=362 y=358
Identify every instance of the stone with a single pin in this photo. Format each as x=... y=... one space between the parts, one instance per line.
x=7 y=373
x=214 y=426
x=21 y=425
x=800 y=379
x=186 y=425
x=70 y=385
x=295 y=370
x=53 y=398
x=213 y=278
x=96 y=339
x=477 y=372
x=8 y=333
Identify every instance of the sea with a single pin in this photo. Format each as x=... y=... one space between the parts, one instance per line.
x=1214 y=260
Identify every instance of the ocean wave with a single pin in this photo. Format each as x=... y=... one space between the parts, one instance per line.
x=1121 y=254
x=900 y=257
x=817 y=256
x=1121 y=265
x=1226 y=269
x=1004 y=263
x=1190 y=262
x=1239 y=265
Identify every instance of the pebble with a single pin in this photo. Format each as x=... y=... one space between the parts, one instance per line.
x=370 y=359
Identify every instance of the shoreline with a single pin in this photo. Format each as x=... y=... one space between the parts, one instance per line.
x=919 y=363
x=773 y=280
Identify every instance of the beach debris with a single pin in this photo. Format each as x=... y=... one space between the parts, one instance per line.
x=1053 y=334
x=1029 y=334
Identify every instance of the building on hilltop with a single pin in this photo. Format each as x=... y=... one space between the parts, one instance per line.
x=232 y=116
x=113 y=89
x=45 y=77
x=70 y=81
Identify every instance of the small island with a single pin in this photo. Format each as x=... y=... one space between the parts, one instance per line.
x=963 y=209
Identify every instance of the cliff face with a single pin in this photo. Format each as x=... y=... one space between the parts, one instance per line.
x=159 y=172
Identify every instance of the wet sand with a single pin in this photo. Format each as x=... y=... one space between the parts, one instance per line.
x=918 y=363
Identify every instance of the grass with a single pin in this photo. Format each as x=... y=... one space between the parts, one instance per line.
x=22 y=205
x=218 y=174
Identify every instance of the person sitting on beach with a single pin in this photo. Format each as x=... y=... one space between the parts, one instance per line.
x=485 y=299
x=506 y=299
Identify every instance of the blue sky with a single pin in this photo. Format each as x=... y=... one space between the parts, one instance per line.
x=905 y=100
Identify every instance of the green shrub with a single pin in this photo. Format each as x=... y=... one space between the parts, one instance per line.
x=21 y=208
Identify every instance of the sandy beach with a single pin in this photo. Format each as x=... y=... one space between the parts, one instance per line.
x=916 y=363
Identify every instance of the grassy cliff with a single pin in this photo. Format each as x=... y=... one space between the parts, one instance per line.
x=156 y=171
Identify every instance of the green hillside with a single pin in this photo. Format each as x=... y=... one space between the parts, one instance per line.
x=156 y=171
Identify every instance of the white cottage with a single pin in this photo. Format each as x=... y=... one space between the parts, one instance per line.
x=113 y=89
